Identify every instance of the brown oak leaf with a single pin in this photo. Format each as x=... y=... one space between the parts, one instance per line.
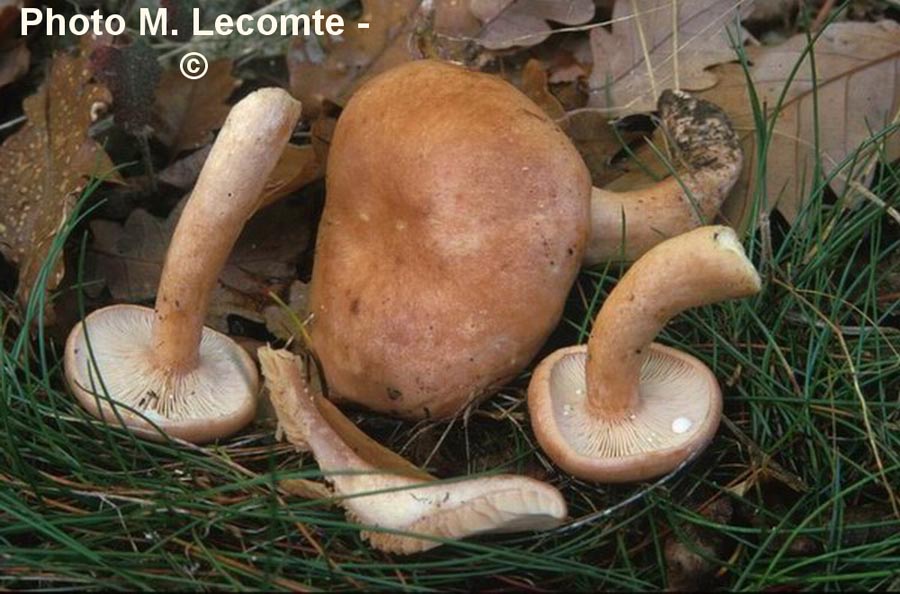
x=511 y=23
x=45 y=164
x=331 y=68
x=622 y=81
x=129 y=258
x=856 y=94
x=534 y=84
x=188 y=111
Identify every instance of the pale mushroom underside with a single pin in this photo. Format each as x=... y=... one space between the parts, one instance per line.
x=120 y=364
x=450 y=509
x=405 y=509
x=676 y=398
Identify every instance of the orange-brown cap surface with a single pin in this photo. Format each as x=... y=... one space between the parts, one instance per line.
x=455 y=221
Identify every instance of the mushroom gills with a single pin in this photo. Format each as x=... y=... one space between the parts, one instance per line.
x=622 y=407
x=111 y=369
x=659 y=422
x=161 y=372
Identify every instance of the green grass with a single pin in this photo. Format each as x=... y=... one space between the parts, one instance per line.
x=808 y=458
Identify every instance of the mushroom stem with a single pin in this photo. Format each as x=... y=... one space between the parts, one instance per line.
x=226 y=195
x=697 y=268
x=624 y=225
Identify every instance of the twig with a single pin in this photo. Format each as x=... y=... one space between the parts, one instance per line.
x=597 y=515
x=12 y=122
x=822 y=16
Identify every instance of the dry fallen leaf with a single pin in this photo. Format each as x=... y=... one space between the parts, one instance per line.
x=454 y=18
x=767 y=10
x=298 y=166
x=307 y=489
x=14 y=63
x=45 y=164
x=591 y=131
x=14 y=55
x=129 y=257
x=621 y=80
x=534 y=85
x=283 y=324
x=510 y=23
x=183 y=173
x=188 y=111
x=858 y=93
x=9 y=18
x=691 y=552
x=598 y=142
x=331 y=68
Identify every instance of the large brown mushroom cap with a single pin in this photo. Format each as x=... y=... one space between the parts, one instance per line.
x=679 y=412
x=214 y=399
x=455 y=222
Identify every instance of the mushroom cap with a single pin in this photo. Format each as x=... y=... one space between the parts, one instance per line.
x=679 y=412
x=455 y=223
x=459 y=509
x=213 y=400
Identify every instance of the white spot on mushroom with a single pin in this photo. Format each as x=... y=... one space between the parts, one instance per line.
x=364 y=217
x=400 y=225
x=154 y=416
x=567 y=410
x=682 y=425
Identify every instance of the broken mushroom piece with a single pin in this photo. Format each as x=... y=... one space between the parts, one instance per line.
x=708 y=158
x=380 y=489
x=456 y=219
x=624 y=408
x=162 y=364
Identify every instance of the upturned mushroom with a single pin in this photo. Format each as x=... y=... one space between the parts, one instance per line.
x=407 y=509
x=624 y=408
x=160 y=369
x=625 y=225
x=457 y=217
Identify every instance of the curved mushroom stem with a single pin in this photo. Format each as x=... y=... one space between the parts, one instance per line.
x=624 y=225
x=697 y=268
x=226 y=195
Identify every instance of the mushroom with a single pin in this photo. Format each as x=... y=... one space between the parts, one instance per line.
x=624 y=225
x=160 y=369
x=408 y=509
x=456 y=221
x=624 y=408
